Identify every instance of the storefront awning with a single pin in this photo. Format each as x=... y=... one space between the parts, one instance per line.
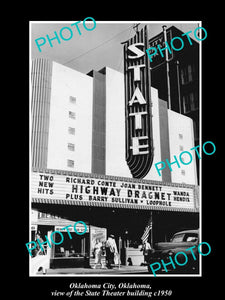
x=113 y=205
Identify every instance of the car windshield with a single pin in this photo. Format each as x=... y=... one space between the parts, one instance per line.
x=191 y=237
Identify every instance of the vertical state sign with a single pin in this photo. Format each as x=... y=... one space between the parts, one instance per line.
x=139 y=138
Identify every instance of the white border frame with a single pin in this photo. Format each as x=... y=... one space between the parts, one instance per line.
x=200 y=148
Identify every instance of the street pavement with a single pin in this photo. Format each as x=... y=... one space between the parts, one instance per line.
x=122 y=270
x=114 y=271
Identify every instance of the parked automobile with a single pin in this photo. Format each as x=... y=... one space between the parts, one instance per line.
x=179 y=243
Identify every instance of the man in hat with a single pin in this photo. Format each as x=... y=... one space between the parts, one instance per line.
x=146 y=247
x=111 y=249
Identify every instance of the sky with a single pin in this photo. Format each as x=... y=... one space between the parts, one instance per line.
x=93 y=50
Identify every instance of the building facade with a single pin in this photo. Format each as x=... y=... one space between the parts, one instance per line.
x=183 y=73
x=78 y=147
x=78 y=124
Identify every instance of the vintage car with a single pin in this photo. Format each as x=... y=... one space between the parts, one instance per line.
x=179 y=243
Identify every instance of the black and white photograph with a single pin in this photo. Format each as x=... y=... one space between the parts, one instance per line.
x=115 y=155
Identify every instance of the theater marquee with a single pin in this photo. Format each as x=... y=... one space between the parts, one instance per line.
x=58 y=187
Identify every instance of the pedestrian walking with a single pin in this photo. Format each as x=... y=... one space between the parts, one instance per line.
x=111 y=251
x=146 y=247
x=39 y=250
x=98 y=253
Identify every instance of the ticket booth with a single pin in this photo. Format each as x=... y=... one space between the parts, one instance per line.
x=74 y=251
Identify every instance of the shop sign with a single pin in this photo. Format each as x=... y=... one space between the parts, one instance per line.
x=158 y=41
x=79 y=228
x=97 y=233
x=87 y=189
x=139 y=142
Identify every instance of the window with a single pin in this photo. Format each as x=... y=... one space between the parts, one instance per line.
x=72 y=115
x=191 y=237
x=190 y=73
x=180 y=136
x=186 y=104
x=178 y=238
x=72 y=99
x=71 y=146
x=182 y=172
x=70 y=163
x=71 y=130
x=183 y=76
x=190 y=102
x=71 y=247
x=186 y=74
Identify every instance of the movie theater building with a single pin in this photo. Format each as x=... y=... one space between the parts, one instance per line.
x=78 y=124
x=83 y=160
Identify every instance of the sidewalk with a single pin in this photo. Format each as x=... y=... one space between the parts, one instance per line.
x=114 y=271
